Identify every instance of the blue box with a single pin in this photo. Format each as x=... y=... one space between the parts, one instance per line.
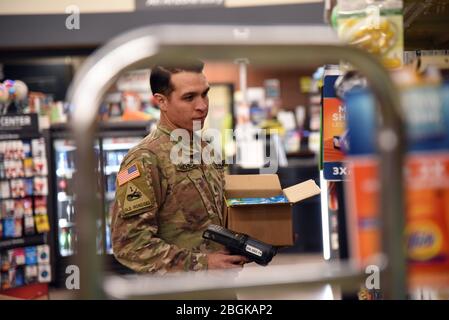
x=9 y=227
x=30 y=255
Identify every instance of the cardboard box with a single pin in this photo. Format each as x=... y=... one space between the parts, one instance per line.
x=271 y=222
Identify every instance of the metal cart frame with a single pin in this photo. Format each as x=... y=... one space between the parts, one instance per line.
x=269 y=45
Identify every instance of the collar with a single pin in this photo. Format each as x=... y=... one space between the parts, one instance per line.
x=189 y=149
x=164 y=129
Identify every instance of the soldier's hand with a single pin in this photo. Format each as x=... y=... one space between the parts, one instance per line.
x=221 y=260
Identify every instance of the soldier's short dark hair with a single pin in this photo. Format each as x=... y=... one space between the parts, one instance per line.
x=161 y=74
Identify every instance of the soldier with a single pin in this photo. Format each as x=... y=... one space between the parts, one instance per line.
x=162 y=207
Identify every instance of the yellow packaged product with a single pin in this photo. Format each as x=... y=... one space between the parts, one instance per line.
x=375 y=26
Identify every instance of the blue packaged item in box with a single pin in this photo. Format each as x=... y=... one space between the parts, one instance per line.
x=249 y=201
x=26 y=148
x=9 y=227
x=20 y=277
x=30 y=255
x=29 y=187
x=31 y=274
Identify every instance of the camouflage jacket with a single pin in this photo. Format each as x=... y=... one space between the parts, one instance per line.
x=161 y=209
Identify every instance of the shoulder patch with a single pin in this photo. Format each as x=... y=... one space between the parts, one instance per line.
x=136 y=195
x=128 y=174
x=135 y=199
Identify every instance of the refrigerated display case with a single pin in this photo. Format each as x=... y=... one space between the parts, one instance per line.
x=63 y=153
x=112 y=144
x=114 y=149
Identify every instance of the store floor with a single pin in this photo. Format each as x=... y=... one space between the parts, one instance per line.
x=309 y=292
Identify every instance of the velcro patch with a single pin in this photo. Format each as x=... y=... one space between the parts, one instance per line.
x=135 y=199
x=137 y=194
x=127 y=174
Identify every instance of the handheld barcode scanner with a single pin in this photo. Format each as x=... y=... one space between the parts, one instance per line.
x=241 y=244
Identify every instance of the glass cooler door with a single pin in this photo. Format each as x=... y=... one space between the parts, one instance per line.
x=64 y=153
x=114 y=150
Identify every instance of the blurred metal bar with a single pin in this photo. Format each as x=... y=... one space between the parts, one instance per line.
x=276 y=46
x=219 y=284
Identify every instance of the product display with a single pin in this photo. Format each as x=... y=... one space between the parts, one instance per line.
x=113 y=151
x=64 y=153
x=23 y=202
x=425 y=181
x=21 y=266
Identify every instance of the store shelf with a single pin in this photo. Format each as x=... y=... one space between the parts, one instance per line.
x=24 y=197
x=110 y=195
x=111 y=169
x=65 y=173
x=60 y=147
x=22 y=242
x=24 y=177
x=62 y=196
x=63 y=223
x=66 y=252
x=118 y=146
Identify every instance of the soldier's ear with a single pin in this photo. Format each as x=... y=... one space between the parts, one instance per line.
x=161 y=101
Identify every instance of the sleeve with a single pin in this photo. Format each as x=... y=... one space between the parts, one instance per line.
x=134 y=225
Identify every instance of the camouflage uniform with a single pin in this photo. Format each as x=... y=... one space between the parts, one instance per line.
x=159 y=216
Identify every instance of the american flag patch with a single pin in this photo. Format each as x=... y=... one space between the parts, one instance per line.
x=128 y=174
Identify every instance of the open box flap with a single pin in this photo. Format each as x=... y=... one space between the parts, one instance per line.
x=252 y=185
x=302 y=191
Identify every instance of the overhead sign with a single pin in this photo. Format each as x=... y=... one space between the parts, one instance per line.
x=257 y=3
x=151 y=4
x=33 y=7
